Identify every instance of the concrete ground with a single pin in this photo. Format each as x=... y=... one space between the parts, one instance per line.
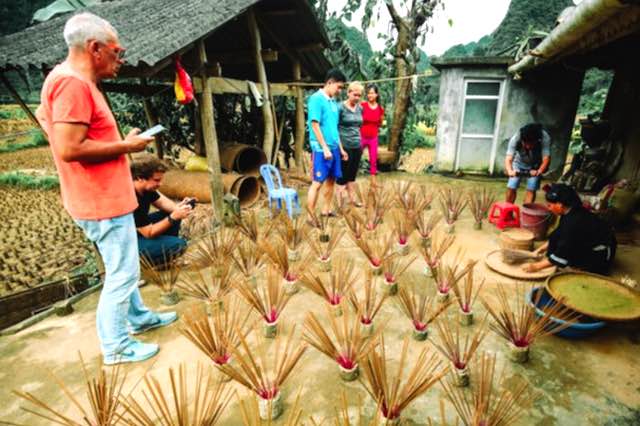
x=585 y=382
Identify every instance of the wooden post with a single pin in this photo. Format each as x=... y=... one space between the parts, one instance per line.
x=210 y=138
x=300 y=123
x=198 y=146
x=20 y=102
x=152 y=120
x=267 y=116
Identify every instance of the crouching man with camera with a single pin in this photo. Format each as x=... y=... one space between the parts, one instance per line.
x=158 y=231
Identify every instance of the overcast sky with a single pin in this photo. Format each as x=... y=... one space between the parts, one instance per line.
x=471 y=19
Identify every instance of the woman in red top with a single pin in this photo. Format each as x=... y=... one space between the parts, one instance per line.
x=372 y=116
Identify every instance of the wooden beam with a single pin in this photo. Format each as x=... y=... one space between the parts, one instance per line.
x=267 y=115
x=16 y=96
x=223 y=86
x=243 y=57
x=137 y=89
x=300 y=123
x=210 y=135
x=309 y=47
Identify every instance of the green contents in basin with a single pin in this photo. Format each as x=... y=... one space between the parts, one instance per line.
x=596 y=296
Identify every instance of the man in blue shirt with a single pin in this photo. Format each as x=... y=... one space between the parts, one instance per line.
x=325 y=140
x=528 y=155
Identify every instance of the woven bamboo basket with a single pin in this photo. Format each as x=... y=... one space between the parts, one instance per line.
x=517 y=239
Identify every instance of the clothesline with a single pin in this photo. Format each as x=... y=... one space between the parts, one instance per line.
x=377 y=80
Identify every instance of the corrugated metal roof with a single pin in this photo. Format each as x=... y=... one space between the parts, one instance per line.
x=153 y=30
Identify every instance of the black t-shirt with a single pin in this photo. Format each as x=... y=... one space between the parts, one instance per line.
x=578 y=234
x=141 y=214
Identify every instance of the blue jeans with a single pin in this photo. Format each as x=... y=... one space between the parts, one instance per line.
x=120 y=298
x=159 y=248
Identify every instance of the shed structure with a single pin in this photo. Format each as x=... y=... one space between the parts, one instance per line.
x=223 y=44
x=482 y=106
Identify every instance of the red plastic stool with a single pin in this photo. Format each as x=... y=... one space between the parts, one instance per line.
x=505 y=215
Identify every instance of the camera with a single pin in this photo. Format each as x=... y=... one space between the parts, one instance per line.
x=192 y=202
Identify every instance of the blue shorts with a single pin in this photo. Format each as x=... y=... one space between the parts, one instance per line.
x=533 y=183
x=325 y=169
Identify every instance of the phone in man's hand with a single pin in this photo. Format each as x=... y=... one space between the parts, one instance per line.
x=152 y=131
x=192 y=202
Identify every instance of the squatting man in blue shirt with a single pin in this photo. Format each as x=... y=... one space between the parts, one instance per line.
x=528 y=155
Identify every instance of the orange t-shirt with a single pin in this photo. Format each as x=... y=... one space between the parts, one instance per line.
x=90 y=191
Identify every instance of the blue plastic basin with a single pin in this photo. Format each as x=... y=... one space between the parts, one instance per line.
x=586 y=327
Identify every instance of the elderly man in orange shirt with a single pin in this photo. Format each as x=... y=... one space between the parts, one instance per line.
x=95 y=181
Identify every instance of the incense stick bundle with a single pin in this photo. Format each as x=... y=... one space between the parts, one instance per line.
x=250 y=412
x=425 y=224
x=412 y=198
x=391 y=393
x=466 y=297
x=402 y=229
x=479 y=203
x=214 y=248
x=210 y=288
x=247 y=224
x=277 y=253
x=420 y=310
x=319 y=222
x=489 y=405
x=368 y=305
x=334 y=289
x=249 y=259
x=268 y=301
x=178 y=407
x=342 y=341
x=164 y=276
x=433 y=253
x=452 y=203
x=393 y=268
x=377 y=250
x=355 y=223
x=214 y=335
x=264 y=374
x=103 y=396
x=377 y=201
x=458 y=353
x=323 y=252
x=518 y=323
x=405 y=195
x=292 y=232
x=446 y=275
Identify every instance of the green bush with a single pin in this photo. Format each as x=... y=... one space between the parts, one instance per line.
x=36 y=139
x=413 y=138
x=27 y=181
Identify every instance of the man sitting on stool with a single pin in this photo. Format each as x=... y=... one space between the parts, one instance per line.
x=529 y=155
x=157 y=232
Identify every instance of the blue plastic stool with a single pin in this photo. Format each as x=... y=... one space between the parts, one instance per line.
x=279 y=193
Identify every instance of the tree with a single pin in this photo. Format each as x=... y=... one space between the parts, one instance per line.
x=409 y=19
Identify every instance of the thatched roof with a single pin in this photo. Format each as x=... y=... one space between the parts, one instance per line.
x=155 y=30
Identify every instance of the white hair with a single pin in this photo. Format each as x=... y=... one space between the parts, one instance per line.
x=86 y=26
